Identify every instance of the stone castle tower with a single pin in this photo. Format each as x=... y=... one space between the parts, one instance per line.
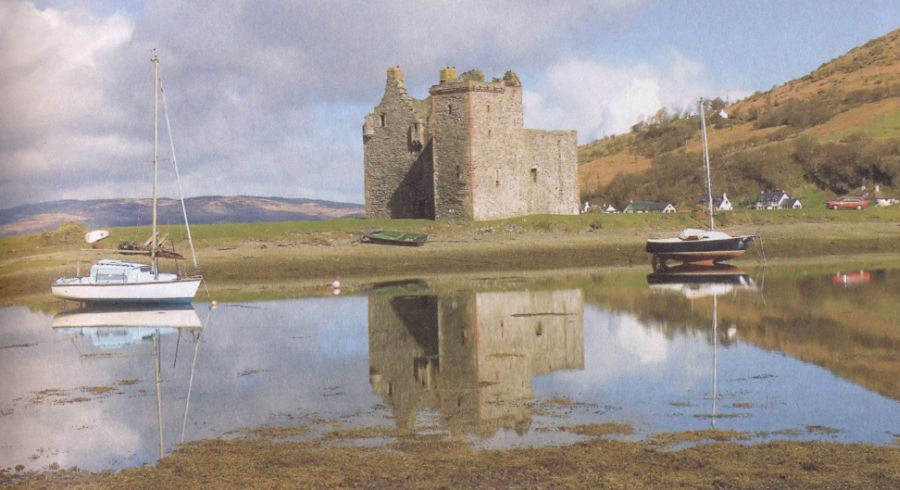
x=463 y=153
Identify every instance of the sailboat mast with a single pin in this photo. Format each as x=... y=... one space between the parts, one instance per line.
x=715 y=394
x=712 y=225
x=153 y=244
x=158 y=393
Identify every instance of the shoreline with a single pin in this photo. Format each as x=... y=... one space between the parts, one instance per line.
x=290 y=457
x=303 y=265
x=298 y=263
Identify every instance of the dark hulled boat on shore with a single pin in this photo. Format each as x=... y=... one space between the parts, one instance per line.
x=695 y=245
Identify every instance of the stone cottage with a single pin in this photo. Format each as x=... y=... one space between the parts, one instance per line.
x=463 y=153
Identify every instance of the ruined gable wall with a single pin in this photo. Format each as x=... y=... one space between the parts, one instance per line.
x=397 y=156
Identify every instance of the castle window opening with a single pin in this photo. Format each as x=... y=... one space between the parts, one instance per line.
x=383 y=117
x=450 y=109
x=489 y=108
x=497 y=178
x=534 y=175
x=490 y=133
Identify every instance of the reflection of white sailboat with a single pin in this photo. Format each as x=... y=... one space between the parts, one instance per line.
x=112 y=328
x=116 y=281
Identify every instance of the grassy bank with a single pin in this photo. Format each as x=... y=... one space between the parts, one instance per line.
x=291 y=258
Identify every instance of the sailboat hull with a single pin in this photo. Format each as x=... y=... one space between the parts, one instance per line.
x=703 y=250
x=166 y=292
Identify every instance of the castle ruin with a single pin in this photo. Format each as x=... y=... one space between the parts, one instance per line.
x=464 y=153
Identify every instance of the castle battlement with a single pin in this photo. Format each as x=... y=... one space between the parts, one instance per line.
x=463 y=153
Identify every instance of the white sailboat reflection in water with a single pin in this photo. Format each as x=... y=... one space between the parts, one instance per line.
x=698 y=281
x=111 y=328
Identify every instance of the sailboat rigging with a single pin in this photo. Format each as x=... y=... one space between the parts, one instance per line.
x=695 y=245
x=116 y=281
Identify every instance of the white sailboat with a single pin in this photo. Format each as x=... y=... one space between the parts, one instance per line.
x=117 y=281
x=696 y=245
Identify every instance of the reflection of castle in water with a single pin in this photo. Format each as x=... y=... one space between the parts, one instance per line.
x=471 y=356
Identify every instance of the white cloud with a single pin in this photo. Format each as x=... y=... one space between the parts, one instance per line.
x=599 y=99
x=57 y=63
x=265 y=97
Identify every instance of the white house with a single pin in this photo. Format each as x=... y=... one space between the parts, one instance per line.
x=776 y=200
x=792 y=203
x=723 y=204
x=720 y=203
x=649 y=207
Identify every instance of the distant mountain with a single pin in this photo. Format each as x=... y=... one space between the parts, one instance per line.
x=32 y=218
x=830 y=132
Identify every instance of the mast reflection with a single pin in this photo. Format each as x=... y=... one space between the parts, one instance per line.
x=699 y=281
x=470 y=356
x=116 y=327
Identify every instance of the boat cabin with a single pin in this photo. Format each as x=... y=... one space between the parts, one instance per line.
x=110 y=271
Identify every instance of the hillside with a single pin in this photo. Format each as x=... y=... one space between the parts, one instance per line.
x=31 y=218
x=830 y=132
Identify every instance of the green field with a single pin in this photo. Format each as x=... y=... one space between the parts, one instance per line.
x=349 y=229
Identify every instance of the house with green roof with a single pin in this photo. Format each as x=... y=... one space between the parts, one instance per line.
x=649 y=207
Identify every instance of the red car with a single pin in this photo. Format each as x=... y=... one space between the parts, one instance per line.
x=848 y=202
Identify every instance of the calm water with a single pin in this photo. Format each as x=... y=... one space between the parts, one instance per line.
x=501 y=363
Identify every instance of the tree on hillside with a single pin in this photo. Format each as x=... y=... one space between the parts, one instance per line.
x=848 y=164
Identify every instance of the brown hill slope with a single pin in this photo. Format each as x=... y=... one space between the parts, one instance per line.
x=31 y=218
x=855 y=94
x=876 y=63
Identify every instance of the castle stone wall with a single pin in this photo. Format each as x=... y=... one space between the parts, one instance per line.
x=397 y=154
x=479 y=160
x=451 y=151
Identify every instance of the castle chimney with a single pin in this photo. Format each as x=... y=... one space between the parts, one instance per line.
x=448 y=74
x=395 y=73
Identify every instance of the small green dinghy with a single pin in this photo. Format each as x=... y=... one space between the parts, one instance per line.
x=394 y=238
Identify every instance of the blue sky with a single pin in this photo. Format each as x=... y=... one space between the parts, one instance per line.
x=268 y=98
